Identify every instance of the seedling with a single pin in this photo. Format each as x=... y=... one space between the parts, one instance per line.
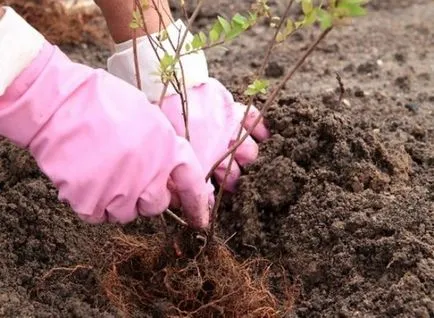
x=326 y=15
x=200 y=277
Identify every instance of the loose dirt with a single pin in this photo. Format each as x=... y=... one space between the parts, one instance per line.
x=342 y=196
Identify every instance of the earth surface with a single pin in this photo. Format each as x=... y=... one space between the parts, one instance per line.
x=342 y=195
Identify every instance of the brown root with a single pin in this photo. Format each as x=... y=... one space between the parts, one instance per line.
x=146 y=273
x=61 y=25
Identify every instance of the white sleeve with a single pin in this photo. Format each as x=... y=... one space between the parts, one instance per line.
x=121 y=63
x=20 y=43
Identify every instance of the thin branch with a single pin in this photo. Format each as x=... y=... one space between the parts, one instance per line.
x=184 y=101
x=206 y=47
x=180 y=87
x=273 y=40
x=184 y=36
x=137 y=4
x=270 y=100
x=154 y=46
x=175 y=217
x=243 y=121
x=136 y=57
x=341 y=88
x=184 y=9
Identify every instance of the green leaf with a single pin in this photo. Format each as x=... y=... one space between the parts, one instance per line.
x=214 y=36
x=215 y=32
x=136 y=20
x=134 y=25
x=306 y=6
x=225 y=24
x=352 y=8
x=289 y=27
x=310 y=18
x=356 y=10
x=298 y=24
x=167 y=61
x=203 y=38
x=197 y=42
x=241 y=20
x=145 y=4
x=280 y=37
x=257 y=87
x=325 y=19
x=283 y=35
x=163 y=36
x=235 y=31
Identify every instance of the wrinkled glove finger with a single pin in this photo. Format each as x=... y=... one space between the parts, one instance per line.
x=175 y=201
x=193 y=193
x=154 y=201
x=260 y=132
x=233 y=176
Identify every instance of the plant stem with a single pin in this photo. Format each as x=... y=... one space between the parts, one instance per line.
x=136 y=57
x=270 y=100
x=341 y=88
x=180 y=86
x=266 y=58
x=137 y=4
x=175 y=217
x=184 y=36
x=207 y=47
x=273 y=40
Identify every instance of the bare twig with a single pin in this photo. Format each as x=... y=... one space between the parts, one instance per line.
x=175 y=217
x=273 y=40
x=184 y=36
x=204 y=48
x=136 y=57
x=154 y=45
x=179 y=85
x=184 y=9
x=341 y=88
x=137 y=5
x=269 y=101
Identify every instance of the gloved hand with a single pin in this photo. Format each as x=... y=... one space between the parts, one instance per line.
x=213 y=115
x=107 y=149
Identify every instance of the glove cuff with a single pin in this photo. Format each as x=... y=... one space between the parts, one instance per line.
x=194 y=65
x=20 y=44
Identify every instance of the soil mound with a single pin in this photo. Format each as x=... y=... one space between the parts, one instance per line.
x=341 y=210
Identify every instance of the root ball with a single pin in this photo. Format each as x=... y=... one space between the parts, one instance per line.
x=178 y=279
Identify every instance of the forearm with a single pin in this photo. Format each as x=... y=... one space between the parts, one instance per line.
x=118 y=14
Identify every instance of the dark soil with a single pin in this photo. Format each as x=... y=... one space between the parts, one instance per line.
x=342 y=195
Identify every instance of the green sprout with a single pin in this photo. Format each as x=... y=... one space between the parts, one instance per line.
x=257 y=87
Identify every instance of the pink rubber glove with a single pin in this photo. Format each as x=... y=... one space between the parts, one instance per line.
x=107 y=149
x=214 y=122
x=214 y=116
